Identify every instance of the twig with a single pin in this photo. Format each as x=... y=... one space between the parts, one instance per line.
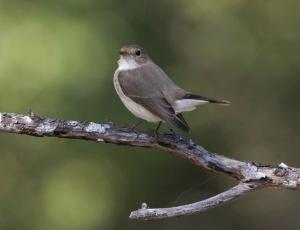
x=146 y=213
x=250 y=175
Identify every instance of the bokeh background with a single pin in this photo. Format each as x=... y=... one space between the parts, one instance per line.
x=58 y=59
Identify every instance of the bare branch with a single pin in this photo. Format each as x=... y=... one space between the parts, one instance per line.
x=146 y=213
x=250 y=175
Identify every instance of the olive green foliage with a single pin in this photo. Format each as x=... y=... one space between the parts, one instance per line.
x=58 y=58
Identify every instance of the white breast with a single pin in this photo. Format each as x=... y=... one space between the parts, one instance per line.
x=127 y=64
x=138 y=110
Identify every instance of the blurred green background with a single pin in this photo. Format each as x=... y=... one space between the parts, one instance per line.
x=58 y=59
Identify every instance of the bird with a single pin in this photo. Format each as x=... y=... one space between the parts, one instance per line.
x=149 y=94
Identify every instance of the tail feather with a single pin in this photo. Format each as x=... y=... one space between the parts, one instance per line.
x=208 y=99
x=179 y=122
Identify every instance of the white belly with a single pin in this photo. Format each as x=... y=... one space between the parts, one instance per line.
x=137 y=110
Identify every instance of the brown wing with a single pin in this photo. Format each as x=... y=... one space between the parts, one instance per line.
x=141 y=86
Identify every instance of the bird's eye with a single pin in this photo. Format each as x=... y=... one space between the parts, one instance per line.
x=138 y=52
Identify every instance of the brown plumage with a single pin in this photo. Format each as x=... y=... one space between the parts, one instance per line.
x=151 y=88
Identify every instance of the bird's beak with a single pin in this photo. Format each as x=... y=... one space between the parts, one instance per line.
x=123 y=53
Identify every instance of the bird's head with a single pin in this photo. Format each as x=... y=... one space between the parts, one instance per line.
x=132 y=56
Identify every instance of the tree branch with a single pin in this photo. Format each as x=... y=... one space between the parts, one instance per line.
x=146 y=213
x=250 y=175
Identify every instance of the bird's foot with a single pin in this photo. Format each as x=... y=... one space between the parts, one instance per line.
x=171 y=132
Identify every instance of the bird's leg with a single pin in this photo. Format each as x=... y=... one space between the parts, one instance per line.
x=136 y=124
x=157 y=128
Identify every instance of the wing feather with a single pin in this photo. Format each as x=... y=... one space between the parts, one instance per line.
x=141 y=86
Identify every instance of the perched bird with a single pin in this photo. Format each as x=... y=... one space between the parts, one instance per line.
x=147 y=91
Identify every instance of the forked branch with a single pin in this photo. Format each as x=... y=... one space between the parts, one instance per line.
x=250 y=175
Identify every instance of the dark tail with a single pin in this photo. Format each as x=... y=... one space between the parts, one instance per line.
x=179 y=122
x=208 y=99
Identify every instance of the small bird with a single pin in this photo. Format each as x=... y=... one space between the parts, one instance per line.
x=148 y=93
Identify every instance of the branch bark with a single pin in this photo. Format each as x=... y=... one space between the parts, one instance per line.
x=250 y=175
x=146 y=213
